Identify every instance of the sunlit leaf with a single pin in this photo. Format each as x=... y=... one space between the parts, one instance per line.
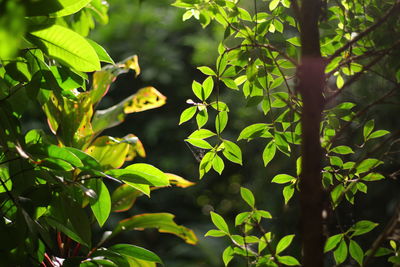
x=135 y=252
x=123 y=198
x=284 y=243
x=356 y=252
x=163 y=222
x=232 y=152
x=219 y=222
x=178 y=181
x=67 y=46
x=101 y=206
x=247 y=196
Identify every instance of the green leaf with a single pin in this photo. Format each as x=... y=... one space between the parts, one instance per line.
x=356 y=252
x=253 y=131
x=202 y=118
x=367 y=165
x=199 y=143
x=247 y=196
x=198 y=90
x=206 y=163
x=163 y=222
x=232 y=152
x=132 y=251
x=41 y=151
x=368 y=128
x=363 y=227
x=269 y=152
x=141 y=173
x=215 y=233
x=101 y=52
x=220 y=121
x=284 y=243
x=288 y=192
x=340 y=254
x=187 y=114
x=101 y=206
x=288 y=260
x=227 y=255
x=218 y=164
x=67 y=46
x=282 y=178
x=378 y=134
x=273 y=4
x=69 y=7
x=332 y=242
x=343 y=150
x=219 y=222
x=207 y=86
x=294 y=41
x=242 y=218
x=123 y=198
x=373 y=176
x=206 y=70
x=201 y=134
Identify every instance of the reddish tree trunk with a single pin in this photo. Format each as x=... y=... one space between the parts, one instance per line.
x=311 y=82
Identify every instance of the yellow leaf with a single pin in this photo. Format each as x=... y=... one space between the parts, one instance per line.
x=146 y=98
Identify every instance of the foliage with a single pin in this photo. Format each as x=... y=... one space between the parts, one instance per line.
x=258 y=56
x=55 y=185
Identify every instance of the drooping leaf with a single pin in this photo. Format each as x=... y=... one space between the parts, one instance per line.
x=218 y=164
x=101 y=206
x=340 y=254
x=132 y=251
x=141 y=173
x=67 y=46
x=123 y=198
x=163 y=222
x=269 y=152
x=332 y=242
x=356 y=252
x=227 y=255
x=232 y=152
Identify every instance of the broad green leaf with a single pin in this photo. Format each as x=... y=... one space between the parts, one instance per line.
x=215 y=233
x=198 y=90
x=88 y=162
x=343 y=150
x=187 y=114
x=367 y=165
x=202 y=118
x=135 y=252
x=378 y=134
x=201 y=134
x=373 y=176
x=67 y=46
x=368 y=128
x=199 y=143
x=356 y=252
x=220 y=121
x=340 y=254
x=206 y=70
x=363 y=227
x=288 y=260
x=69 y=7
x=294 y=41
x=332 y=242
x=41 y=151
x=206 y=163
x=284 y=243
x=218 y=164
x=101 y=52
x=163 y=222
x=227 y=255
x=207 y=86
x=269 y=152
x=273 y=4
x=253 y=131
x=123 y=198
x=282 y=178
x=232 y=152
x=242 y=218
x=141 y=173
x=288 y=192
x=247 y=196
x=219 y=222
x=101 y=206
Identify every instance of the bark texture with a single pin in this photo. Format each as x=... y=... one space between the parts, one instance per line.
x=311 y=82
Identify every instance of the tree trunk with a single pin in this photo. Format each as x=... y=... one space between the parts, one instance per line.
x=311 y=82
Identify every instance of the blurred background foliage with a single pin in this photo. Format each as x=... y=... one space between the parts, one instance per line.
x=169 y=51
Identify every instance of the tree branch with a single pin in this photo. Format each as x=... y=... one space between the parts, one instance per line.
x=362 y=34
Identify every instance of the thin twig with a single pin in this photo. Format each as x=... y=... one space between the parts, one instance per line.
x=362 y=34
